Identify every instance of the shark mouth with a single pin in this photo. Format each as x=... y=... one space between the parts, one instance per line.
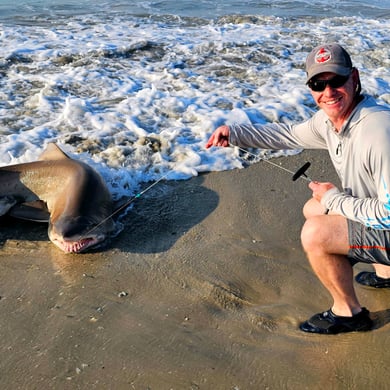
x=76 y=246
x=76 y=235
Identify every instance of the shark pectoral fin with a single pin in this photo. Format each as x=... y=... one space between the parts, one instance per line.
x=6 y=203
x=33 y=211
x=52 y=152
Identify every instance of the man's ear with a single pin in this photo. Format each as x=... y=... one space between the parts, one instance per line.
x=356 y=81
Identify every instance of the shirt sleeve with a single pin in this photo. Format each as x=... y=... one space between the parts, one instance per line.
x=372 y=210
x=277 y=136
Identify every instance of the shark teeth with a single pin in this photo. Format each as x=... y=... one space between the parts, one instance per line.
x=76 y=246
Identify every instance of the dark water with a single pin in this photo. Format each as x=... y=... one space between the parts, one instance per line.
x=22 y=11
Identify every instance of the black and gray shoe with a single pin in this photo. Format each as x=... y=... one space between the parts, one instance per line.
x=371 y=279
x=329 y=323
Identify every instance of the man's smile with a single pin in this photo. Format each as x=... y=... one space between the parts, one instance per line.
x=333 y=101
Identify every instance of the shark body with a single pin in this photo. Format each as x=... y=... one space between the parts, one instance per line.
x=66 y=193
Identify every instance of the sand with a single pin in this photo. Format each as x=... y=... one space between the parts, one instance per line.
x=204 y=289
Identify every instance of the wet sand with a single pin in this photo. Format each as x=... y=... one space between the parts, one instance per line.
x=204 y=289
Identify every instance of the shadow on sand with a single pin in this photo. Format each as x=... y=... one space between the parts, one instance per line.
x=159 y=218
x=380 y=318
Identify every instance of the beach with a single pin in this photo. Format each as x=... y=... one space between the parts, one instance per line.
x=204 y=289
x=206 y=284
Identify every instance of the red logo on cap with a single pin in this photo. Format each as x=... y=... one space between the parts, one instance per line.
x=322 y=55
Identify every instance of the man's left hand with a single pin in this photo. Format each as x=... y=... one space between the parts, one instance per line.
x=319 y=189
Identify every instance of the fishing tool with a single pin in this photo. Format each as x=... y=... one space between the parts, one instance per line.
x=298 y=174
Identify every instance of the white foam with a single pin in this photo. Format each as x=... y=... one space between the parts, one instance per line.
x=139 y=98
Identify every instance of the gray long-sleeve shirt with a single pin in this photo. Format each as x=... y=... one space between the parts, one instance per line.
x=360 y=153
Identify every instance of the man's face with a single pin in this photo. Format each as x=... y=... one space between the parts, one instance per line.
x=336 y=102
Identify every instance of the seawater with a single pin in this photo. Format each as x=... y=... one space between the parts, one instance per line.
x=136 y=88
x=209 y=9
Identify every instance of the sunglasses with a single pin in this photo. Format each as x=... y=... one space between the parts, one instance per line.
x=320 y=85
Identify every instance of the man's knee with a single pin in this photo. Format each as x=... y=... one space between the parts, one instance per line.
x=326 y=234
x=311 y=234
x=312 y=208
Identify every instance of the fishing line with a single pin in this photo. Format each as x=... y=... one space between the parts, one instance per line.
x=299 y=174
x=127 y=203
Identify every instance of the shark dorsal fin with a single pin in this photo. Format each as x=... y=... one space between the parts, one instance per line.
x=53 y=152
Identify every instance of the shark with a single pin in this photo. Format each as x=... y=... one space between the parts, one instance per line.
x=66 y=193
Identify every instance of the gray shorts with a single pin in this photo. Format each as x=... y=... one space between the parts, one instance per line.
x=368 y=245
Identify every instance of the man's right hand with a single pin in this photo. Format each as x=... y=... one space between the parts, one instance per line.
x=220 y=137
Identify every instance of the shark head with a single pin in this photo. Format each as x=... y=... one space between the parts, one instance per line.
x=67 y=193
x=79 y=234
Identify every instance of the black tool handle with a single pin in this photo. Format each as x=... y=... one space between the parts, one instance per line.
x=301 y=171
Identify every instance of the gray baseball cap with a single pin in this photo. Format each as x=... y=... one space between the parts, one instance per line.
x=328 y=58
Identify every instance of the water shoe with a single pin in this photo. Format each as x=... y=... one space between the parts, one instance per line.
x=329 y=323
x=370 y=279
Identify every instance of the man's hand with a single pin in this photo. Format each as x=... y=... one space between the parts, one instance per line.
x=319 y=189
x=220 y=137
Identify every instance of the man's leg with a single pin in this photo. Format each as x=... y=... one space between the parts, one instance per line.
x=325 y=241
x=314 y=208
x=383 y=271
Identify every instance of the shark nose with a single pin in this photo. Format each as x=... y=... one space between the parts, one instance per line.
x=69 y=227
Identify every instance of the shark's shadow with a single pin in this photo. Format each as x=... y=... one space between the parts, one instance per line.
x=17 y=229
x=157 y=219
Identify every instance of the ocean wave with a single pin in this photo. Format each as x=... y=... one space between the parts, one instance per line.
x=138 y=97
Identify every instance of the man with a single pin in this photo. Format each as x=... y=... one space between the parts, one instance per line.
x=341 y=228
